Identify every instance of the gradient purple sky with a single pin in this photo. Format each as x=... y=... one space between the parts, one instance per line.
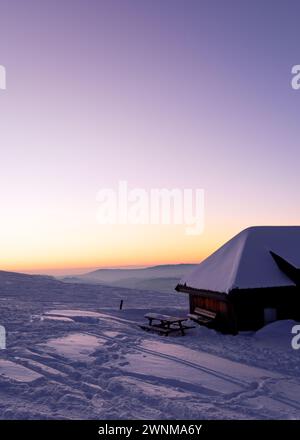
x=169 y=93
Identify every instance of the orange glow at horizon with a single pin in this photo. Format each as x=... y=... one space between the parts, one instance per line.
x=108 y=247
x=54 y=241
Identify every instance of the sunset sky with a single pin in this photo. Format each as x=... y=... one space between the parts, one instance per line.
x=169 y=93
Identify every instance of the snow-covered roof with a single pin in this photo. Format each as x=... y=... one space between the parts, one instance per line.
x=245 y=261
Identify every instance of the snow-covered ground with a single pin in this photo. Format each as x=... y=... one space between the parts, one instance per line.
x=71 y=353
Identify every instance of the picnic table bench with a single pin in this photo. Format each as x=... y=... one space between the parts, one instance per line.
x=203 y=316
x=165 y=324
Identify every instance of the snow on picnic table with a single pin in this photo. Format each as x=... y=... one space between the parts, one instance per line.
x=81 y=358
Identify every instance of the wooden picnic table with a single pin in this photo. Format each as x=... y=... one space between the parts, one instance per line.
x=166 y=324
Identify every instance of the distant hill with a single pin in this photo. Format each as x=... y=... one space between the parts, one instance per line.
x=21 y=285
x=19 y=278
x=162 y=278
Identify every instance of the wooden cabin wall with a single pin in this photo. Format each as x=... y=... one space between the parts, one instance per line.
x=211 y=304
x=250 y=305
x=244 y=310
x=226 y=319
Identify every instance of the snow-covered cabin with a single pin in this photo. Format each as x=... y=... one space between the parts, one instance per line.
x=251 y=280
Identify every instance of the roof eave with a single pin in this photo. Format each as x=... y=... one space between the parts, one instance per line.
x=232 y=292
x=209 y=293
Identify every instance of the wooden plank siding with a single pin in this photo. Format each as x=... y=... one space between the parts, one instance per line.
x=244 y=309
x=211 y=304
x=226 y=319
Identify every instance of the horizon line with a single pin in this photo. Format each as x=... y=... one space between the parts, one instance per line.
x=86 y=269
